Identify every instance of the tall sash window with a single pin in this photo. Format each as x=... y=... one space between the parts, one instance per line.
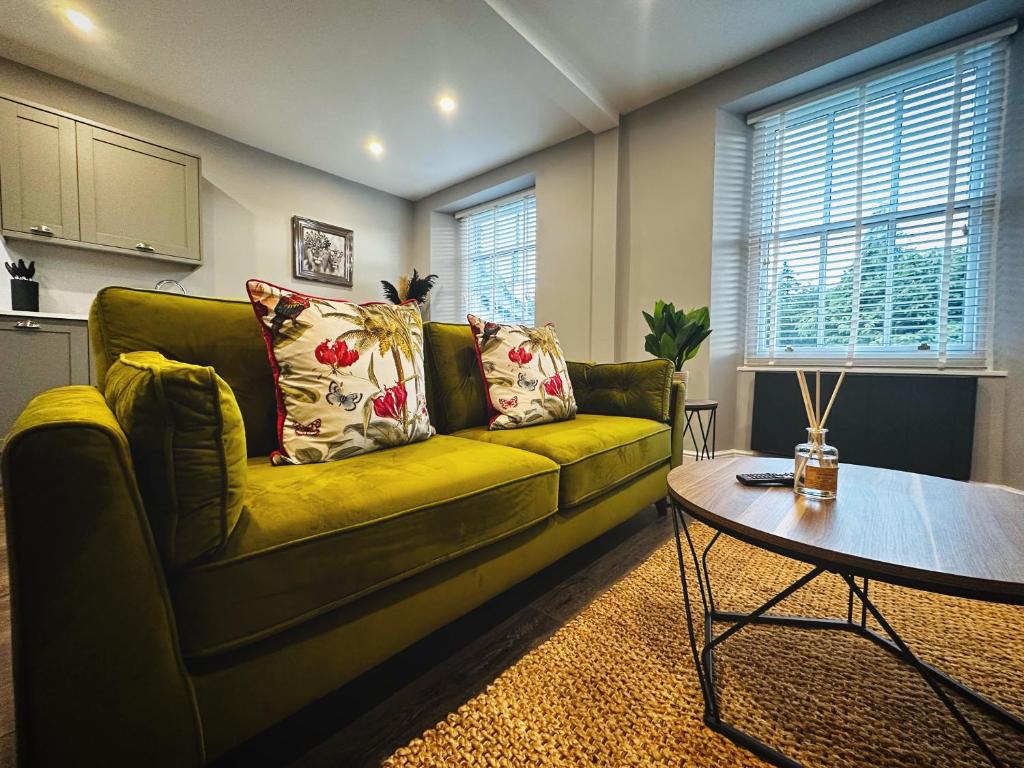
x=498 y=247
x=873 y=215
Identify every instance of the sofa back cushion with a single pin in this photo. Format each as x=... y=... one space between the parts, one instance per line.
x=188 y=448
x=456 y=397
x=209 y=332
x=638 y=389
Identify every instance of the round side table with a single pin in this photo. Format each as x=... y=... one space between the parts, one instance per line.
x=698 y=408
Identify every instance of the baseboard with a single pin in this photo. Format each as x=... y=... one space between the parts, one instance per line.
x=722 y=453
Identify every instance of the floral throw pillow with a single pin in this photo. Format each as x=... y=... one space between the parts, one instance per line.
x=349 y=377
x=525 y=373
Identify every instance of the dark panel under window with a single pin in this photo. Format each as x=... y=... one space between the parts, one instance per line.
x=915 y=423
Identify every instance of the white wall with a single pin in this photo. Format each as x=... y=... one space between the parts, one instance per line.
x=247 y=200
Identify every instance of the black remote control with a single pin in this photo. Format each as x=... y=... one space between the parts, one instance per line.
x=767 y=478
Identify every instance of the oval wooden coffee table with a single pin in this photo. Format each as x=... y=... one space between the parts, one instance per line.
x=916 y=531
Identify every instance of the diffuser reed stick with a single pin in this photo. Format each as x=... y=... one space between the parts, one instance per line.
x=832 y=400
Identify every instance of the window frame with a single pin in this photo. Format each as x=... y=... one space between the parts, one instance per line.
x=979 y=205
x=525 y=247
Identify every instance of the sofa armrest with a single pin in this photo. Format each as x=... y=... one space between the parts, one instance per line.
x=623 y=389
x=99 y=677
x=678 y=420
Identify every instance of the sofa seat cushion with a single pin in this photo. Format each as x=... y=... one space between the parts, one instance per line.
x=317 y=536
x=595 y=453
x=314 y=537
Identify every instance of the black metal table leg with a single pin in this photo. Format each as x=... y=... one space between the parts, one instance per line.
x=704 y=660
x=708 y=431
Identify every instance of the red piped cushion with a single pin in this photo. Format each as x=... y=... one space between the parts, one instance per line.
x=525 y=374
x=348 y=377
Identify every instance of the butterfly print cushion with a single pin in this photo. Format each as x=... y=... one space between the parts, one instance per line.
x=349 y=377
x=525 y=372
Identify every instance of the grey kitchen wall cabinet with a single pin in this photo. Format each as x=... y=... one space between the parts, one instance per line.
x=38 y=172
x=77 y=183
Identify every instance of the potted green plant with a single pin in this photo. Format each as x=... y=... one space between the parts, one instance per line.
x=24 y=290
x=676 y=335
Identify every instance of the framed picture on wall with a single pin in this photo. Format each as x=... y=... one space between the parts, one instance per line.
x=322 y=252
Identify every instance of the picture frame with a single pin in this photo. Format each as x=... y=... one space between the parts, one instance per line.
x=322 y=252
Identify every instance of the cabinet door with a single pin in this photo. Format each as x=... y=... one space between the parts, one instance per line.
x=49 y=354
x=38 y=172
x=137 y=195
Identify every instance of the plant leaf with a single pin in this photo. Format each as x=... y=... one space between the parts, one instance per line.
x=308 y=455
x=367 y=405
x=343 y=452
x=695 y=344
x=651 y=345
x=668 y=347
x=302 y=394
x=372 y=375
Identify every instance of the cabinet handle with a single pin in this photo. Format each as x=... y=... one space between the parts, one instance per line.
x=27 y=325
x=42 y=229
x=145 y=247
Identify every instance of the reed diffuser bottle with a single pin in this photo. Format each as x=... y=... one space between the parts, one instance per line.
x=817 y=466
x=816 y=470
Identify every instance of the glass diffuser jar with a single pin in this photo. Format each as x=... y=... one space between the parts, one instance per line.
x=816 y=472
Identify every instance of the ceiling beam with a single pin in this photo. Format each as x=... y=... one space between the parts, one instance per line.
x=571 y=89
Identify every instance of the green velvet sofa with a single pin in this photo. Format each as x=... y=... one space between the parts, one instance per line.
x=332 y=568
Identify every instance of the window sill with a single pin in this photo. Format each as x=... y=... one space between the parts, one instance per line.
x=981 y=373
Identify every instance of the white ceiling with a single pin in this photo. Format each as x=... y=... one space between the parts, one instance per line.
x=314 y=81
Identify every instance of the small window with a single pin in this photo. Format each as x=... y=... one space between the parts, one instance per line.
x=498 y=253
x=873 y=217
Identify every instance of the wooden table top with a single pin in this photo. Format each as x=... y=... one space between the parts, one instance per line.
x=926 y=532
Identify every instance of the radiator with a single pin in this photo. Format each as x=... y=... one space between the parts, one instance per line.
x=915 y=423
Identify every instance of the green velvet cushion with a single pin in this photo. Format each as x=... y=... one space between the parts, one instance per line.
x=455 y=389
x=317 y=536
x=217 y=332
x=188 y=447
x=623 y=389
x=596 y=453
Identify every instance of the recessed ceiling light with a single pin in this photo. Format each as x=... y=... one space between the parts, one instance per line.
x=376 y=148
x=79 y=19
x=446 y=104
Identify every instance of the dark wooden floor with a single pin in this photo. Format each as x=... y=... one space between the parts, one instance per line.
x=367 y=720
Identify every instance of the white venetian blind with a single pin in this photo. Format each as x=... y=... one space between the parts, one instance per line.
x=498 y=247
x=873 y=215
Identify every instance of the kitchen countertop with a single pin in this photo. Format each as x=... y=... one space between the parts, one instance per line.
x=42 y=315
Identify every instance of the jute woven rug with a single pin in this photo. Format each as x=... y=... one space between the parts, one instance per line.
x=616 y=687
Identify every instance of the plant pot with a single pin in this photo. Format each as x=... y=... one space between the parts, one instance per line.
x=682 y=378
x=25 y=295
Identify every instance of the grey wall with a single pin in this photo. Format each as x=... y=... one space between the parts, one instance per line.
x=564 y=179
x=1001 y=402
x=247 y=200
x=673 y=179
x=653 y=209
